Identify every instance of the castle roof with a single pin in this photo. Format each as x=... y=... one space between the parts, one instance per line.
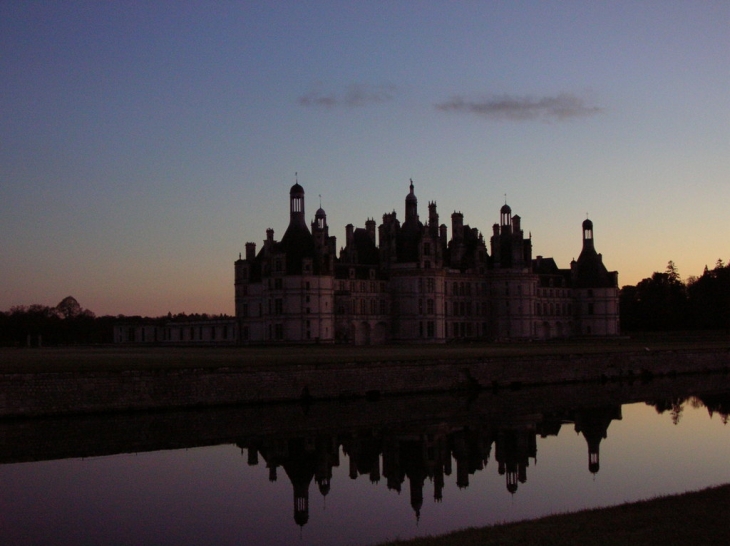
x=590 y=271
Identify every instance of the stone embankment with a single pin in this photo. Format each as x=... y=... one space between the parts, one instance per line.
x=36 y=394
x=101 y=434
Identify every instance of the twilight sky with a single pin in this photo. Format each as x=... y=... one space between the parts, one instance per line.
x=142 y=144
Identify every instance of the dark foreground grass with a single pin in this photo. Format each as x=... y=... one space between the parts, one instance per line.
x=701 y=517
x=116 y=357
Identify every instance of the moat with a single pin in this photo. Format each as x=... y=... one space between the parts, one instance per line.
x=359 y=471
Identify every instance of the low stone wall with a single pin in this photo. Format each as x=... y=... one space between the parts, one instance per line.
x=102 y=434
x=87 y=392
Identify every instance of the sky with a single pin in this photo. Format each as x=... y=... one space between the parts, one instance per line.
x=142 y=144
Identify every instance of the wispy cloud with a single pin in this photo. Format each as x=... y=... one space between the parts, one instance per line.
x=354 y=95
x=514 y=108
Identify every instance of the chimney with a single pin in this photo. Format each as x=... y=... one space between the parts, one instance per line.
x=251 y=251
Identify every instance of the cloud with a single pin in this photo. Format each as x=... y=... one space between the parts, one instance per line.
x=354 y=96
x=513 y=108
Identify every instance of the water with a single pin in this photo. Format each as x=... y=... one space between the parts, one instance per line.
x=502 y=457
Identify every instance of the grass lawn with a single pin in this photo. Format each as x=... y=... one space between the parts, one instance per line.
x=692 y=518
x=115 y=357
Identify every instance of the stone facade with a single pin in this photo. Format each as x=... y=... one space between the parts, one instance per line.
x=415 y=284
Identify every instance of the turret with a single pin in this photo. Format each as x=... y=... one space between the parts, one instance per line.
x=588 y=235
x=411 y=206
x=296 y=206
x=505 y=215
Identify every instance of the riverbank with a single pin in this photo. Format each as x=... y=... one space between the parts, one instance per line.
x=692 y=518
x=145 y=357
x=56 y=381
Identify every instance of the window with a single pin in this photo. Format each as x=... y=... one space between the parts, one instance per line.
x=429 y=307
x=278 y=306
x=590 y=308
x=277 y=265
x=426 y=249
x=430 y=285
x=430 y=328
x=277 y=284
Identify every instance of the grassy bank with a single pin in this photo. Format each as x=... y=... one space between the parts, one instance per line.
x=693 y=518
x=153 y=357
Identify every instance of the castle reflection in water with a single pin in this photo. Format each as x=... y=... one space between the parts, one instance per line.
x=403 y=442
x=410 y=457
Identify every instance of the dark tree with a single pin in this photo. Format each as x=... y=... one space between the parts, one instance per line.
x=709 y=297
x=656 y=303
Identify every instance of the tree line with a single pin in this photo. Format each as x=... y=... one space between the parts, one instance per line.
x=69 y=324
x=664 y=302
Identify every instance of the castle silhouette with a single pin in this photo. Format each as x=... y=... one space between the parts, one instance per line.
x=402 y=283
x=415 y=284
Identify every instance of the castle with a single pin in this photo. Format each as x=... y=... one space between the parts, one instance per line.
x=410 y=283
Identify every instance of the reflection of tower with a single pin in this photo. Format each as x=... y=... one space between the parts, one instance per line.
x=300 y=477
x=299 y=458
x=364 y=453
x=471 y=450
x=593 y=423
x=412 y=458
x=514 y=447
x=328 y=455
